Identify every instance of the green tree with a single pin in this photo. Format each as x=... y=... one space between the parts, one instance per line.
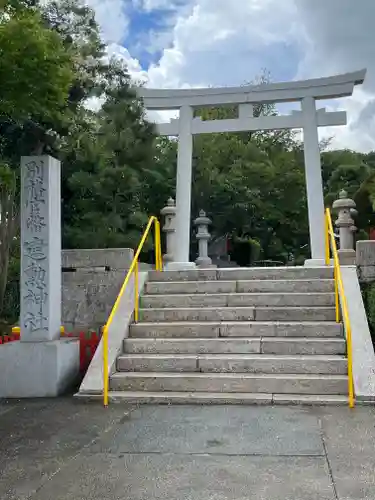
x=35 y=70
x=8 y=222
x=104 y=199
x=253 y=186
x=342 y=169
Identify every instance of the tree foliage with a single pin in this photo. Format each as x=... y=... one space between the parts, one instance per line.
x=35 y=69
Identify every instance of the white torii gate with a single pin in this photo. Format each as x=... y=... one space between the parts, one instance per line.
x=308 y=119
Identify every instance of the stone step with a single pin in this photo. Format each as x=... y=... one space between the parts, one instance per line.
x=295 y=314
x=229 y=382
x=239 y=314
x=170 y=287
x=247 y=273
x=232 y=363
x=224 y=398
x=309 y=346
x=250 y=286
x=235 y=329
x=268 y=345
x=192 y=346
x=286 y=286
x=239 y=299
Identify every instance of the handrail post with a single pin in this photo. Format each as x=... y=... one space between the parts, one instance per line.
x=327 y=239
x=105 y=366
x=160 y=253
x=156 y=246
x=136 y=293
x=158 y=257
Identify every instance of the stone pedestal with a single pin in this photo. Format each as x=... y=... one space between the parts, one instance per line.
x=44 y=363
x=38 y=369
x=179 y=266
x=315 y=263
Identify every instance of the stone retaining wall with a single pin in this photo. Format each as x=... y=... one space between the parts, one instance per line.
x=91 y=281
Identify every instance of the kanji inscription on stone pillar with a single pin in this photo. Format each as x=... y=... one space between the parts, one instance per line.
x=40 y=249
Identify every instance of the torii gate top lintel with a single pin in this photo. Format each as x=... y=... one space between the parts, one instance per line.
x=318 y=88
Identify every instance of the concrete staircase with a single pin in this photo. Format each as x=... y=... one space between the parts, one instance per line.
x=263 y=335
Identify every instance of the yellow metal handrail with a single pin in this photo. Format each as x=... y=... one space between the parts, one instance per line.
x=133 y=268
x=340 y=299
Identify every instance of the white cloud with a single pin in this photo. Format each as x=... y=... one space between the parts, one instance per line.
x=133 y=66
x=229 y=42
x=121 y=53
x=340 y=38
x=151 y=5
x=222 y=44
x=226 y=42
x=112 y=18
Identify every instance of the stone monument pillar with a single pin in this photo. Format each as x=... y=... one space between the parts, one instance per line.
x=40 y=364
x=40 y=249
x=346 y=210
x=169 y=228
x=202 y=223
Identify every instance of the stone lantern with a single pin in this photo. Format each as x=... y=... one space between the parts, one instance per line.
x=202 y=222
x=169 y=228
x=346 y=211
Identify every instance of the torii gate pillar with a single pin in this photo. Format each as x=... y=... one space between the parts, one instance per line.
x=314 y=184
x=183 y=190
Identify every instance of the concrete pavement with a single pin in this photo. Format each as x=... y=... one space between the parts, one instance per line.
x=69 y=450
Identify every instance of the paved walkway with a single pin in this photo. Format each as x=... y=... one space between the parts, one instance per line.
x=67 y=450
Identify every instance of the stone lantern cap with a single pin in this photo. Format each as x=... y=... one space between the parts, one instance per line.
x=170 y=209
x=343 y=202
x=202 y=220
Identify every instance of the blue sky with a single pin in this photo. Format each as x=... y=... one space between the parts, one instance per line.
x=192 y=43
x=143 y=26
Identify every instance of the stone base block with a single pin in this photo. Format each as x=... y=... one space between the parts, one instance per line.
x=204 y=262
x=347 y=257
x=315 y=263
x=179 y=266
x=366 y=273
x=366 y=253
x=38 y=369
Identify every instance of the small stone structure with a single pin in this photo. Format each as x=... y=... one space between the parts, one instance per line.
x=91 y=281
x=169 y=212
x=365 y=260
x=202 y=222
x=346 y=210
